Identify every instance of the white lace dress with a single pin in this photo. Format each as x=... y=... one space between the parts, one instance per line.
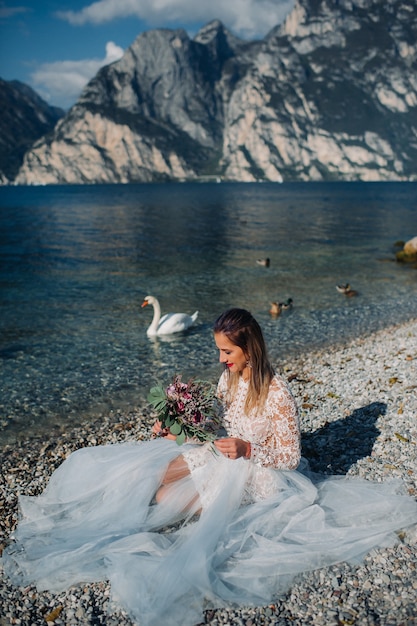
x=262 y=521
x=273 y=434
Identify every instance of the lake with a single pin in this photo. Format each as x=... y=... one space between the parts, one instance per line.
x=77 y=261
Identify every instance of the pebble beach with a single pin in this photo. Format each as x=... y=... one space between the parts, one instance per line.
x=358 y=416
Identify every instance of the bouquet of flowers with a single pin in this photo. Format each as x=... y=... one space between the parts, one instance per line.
x=186 y=409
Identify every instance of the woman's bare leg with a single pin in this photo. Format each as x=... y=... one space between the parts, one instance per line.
x=176 y=470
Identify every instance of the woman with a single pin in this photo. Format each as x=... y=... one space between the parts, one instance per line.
x=254 y=521
x=260 y=418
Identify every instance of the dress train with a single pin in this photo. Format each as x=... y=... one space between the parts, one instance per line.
x=98 y=520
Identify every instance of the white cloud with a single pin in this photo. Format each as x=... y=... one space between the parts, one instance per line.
x=248 y=18
x=6 y=12
x=61 y=82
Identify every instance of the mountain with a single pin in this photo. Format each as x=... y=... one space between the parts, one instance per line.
x=330 y=94
x=25 y=118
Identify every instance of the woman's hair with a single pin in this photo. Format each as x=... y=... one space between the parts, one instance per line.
x=242 y=329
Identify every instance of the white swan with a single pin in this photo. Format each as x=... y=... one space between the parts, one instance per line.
x=169 y=323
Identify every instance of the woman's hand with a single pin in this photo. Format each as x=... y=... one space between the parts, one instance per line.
x=158 y=431
x=233 y=448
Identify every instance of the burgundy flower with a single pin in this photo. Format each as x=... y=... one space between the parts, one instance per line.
x=187 y=409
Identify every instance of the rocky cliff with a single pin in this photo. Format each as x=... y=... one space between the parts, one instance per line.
x=329 y=94
x=25 y=117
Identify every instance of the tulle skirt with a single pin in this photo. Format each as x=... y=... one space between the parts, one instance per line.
x=98 y=520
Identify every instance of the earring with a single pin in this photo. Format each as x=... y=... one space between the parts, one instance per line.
x=248 y=363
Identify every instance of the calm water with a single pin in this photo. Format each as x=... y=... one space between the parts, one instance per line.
x=76 y=263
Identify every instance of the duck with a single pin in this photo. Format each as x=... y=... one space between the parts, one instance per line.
x=275 y=309
x=264 y=262
x=169 y=323
x=286 y=305
x=346 y=290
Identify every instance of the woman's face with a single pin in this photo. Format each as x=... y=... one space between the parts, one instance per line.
x=231 y=355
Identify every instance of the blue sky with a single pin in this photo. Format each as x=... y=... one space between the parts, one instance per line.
x=57 y=46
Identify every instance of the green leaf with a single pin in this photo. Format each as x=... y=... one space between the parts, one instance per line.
x=159 y=406
x=180 y=438
x=157 y=392
x=176 y=428
x=157 y=398
x=153 y=399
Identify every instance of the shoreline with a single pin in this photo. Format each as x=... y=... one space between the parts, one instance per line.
x=358 y=409
x=44 y=420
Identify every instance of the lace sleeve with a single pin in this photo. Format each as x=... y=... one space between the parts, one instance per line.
x=276 y=431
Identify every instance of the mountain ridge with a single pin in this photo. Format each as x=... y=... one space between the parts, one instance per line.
x=329 y=94
x=26 y=117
